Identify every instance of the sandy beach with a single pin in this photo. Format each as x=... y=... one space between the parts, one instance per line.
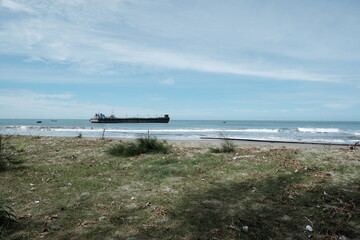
x=241 y=143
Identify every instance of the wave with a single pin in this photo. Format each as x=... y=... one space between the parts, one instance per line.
x=95 y=129
x=319 y=130
x=261 y=130
x=320 y=140
x=297 y=134
x=287 y=139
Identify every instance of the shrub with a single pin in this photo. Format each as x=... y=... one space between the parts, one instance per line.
x=140 y=146
x=226 y=147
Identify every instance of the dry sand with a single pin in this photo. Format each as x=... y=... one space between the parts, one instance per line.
x=215 y=142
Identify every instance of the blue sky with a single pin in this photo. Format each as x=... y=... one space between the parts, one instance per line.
x=192 y=59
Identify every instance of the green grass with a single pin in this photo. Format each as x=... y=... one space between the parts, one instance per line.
x=6 y=152
x=72 y=188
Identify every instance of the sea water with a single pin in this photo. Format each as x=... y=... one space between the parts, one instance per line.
x=344 y=132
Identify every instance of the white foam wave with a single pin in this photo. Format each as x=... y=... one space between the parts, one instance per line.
x=75 y=130
x=320 y=140
x=258 y=130
x=182 y=130
x=204 y=130
x=319 y=130
x=305 y=134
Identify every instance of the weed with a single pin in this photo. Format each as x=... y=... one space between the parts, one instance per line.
x=226 y=147
x=6 y=218
x=6 y=214
x=140 y=146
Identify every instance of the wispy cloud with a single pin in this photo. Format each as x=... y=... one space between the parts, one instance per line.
x=168 y=81
x=16 y=7
x=22 y=103
x=175 y=60
x=56 y=96
x=338 y=106
x=106 y=38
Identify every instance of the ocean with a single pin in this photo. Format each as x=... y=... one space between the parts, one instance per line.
x=334 y=132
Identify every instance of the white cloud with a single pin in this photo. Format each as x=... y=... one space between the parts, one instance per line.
x=168 y=81
x=89 y=52
x=103 y=38
x=16 y=7
x=306 y=109
x=176 y=60
x=338 y=106
x=34 y=59
x=21 y=103
x=56 y=96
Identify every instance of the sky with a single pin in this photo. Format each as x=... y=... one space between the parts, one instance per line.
x=191 y=59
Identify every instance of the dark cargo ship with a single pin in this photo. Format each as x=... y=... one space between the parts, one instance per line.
x=101 y=118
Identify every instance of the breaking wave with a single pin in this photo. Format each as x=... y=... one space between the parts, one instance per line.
x=97 y=129
x=192 y=130
x=319 y=130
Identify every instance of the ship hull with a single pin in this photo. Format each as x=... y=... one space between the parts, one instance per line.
x=130 y=120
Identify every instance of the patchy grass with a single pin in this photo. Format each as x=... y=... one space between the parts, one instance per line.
x=10 y=156
x=71 y=188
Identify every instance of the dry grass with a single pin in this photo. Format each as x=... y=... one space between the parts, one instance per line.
x=70 y=188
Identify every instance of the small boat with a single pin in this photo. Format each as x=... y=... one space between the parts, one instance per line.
x=38 y=121
x=101 y=118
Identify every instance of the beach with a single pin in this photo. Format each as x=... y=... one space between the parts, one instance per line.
x=71 y=187
x=179 y=120
x=249 y=143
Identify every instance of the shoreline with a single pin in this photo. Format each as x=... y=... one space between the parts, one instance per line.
x=282 y=142
x=250 y=143
x=216 y=141
x=338 y=134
